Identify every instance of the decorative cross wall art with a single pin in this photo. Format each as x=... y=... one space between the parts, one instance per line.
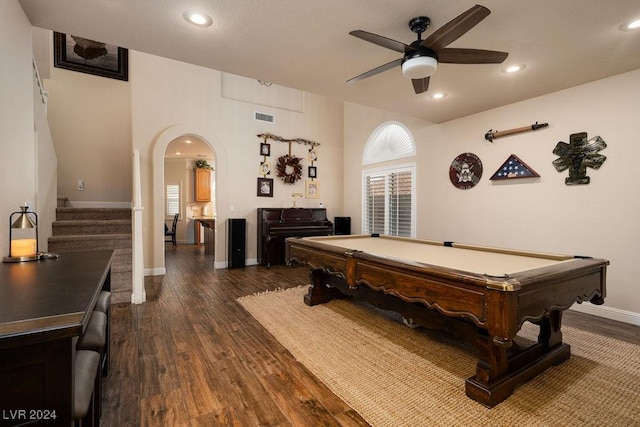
x=577 y=155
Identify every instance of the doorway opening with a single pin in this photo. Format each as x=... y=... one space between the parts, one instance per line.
x=189 y=187
x=156 y=213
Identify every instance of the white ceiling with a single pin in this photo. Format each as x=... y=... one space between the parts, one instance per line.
x=189 y=147
x=306 y=45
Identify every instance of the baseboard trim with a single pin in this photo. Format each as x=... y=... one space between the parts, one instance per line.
x=608 y=313
x=143 y=299
x=155 y=271
x=225 y=264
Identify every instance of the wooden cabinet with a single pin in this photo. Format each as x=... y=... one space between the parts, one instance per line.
x=202 y=185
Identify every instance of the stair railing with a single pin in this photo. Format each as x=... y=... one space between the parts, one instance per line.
x=138 y=295
x=44 y=95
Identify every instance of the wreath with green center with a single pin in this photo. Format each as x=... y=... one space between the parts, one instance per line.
x=289 y=169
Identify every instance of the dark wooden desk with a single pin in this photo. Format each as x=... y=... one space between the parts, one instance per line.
x=479 y=293
x=44 y=307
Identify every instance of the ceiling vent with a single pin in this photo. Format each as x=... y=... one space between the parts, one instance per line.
x=264 y=117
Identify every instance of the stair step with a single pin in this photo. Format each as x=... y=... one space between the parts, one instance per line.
x=62 y=201
x=63 y=214
x=121 y=281
x=122 y=256
x=118 y=297
x=72 y=243
x=92 y=226
x=87 y=229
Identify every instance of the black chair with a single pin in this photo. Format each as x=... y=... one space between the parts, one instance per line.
x=171 y=233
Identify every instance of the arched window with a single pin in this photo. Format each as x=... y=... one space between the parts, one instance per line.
x=389 y=141
x=389 y=196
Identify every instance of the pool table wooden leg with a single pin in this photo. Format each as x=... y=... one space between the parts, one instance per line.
x=320 y=290
x=550 y=334
x=502 y=368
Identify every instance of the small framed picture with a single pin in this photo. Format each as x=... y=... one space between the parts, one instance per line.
x=313 y=155
x=311 y=189
x=265 y=168
x=265 y=149
x=313 y=172
x=265 y=187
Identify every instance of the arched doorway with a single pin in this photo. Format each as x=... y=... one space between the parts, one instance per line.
x=156 y=218
x=180 y=156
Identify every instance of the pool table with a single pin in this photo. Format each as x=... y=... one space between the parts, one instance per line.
x=478 y=293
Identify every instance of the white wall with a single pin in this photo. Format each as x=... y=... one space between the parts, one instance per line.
x=171 y=98
x=90 y=120
x=599 y=219
x=27 y=169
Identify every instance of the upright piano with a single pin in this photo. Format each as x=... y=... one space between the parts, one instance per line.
x=276 y=224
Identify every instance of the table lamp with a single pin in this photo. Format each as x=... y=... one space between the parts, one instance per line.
x=24 y=248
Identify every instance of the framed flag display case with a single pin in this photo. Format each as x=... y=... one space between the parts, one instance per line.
x=514 y=168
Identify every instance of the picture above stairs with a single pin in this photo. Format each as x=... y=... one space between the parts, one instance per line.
x=92 y=229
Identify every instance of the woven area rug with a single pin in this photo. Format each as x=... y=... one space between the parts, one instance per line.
x=393 y=375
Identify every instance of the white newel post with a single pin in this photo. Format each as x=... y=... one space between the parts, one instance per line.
x=138 y=295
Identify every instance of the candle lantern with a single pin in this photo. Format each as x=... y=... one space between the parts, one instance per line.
x=23 y=246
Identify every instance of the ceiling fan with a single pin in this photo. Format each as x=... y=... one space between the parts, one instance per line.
x=421 y=57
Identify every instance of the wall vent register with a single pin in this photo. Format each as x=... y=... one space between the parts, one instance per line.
x=264 y=117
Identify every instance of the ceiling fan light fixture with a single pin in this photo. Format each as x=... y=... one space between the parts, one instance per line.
x=438 y=95
x=419 y=67
x=513 y=68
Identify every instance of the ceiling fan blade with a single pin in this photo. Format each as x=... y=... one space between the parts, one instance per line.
x=455 y=28
x=377 y=70
x=381 y=41
x=420 y=85
x=471 y=56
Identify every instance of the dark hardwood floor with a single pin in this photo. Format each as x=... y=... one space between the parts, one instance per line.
x=191 y=355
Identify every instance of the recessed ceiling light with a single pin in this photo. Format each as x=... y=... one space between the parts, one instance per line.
x=513 y=68
x=438 y=95
x=178 y=153
x=631 y=25
x=187 y=141
x=198 y=18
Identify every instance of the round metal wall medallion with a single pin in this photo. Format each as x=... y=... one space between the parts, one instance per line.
x=465 y=171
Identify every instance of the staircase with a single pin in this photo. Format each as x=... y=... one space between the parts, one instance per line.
x=92 y=229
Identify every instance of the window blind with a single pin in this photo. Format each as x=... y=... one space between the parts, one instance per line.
x=172 y=197
x=389 y=202
x=400 y=202
x=375 y=204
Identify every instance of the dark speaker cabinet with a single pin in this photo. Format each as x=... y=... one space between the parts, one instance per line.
x=342 y=225
x=237 y=242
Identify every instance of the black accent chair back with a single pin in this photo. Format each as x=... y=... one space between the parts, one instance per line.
x=171 y=233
